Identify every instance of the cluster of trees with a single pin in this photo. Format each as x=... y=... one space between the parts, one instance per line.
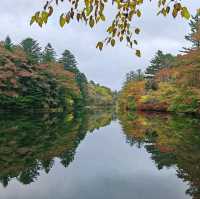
x=35 y=55
x=171 y=83
x=64 y=69
x=100 y=95
x=159 y=61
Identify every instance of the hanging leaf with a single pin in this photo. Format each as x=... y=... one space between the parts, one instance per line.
x=32 y=20
x=91 y=22
x=185 y=13
x=99 y=45
x=62 y=20
x=50 y=10
x=103 y=18
x=137 y=30
x=45 y=16
x=138 y=53
x=139 y=13
x=113 y=42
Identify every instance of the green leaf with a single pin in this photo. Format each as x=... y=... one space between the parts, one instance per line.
x=135 y=42
x=174 y=13
x=139 y=13
x=113 y=42
x=198 y=11
x=167 y=9
x=45 y=16
x=185 y=13
x=62 y=21
x=91 y=22
x=137 y=30
x=32 y=20
x=103 y=18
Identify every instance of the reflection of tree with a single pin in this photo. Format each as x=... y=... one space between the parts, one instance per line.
x=171 y=141
x=30 y=143
x=28 y=175
x=47 y=164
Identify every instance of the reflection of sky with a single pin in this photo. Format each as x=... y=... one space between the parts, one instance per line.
x=105 y=167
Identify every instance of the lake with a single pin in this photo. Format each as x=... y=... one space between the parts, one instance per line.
x=101 y=155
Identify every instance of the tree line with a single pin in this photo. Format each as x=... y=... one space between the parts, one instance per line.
x=35 y=55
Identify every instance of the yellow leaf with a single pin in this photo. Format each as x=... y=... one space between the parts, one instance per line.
x=32 y=20
x=62 y=21
x=185 y=13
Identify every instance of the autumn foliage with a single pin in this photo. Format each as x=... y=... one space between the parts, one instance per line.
x=177 y=88
x=23 y=85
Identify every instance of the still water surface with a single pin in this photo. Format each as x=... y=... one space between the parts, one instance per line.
x=97 y=156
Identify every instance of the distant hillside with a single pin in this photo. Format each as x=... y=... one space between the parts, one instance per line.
x=99 y=95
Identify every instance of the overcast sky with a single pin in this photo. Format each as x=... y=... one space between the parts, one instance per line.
x=109 y=66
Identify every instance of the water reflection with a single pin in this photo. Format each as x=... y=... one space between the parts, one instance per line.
x=172 y=141
x=30 y=144
x=161 y=156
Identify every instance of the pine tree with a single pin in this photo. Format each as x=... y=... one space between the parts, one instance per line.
x=8 y=44
x=70 y=64
x=159 y=61
x=48 y=54
x=134 y=76
x=139 y=75
x=194 y=35
x=69 y=61
x=32 y=49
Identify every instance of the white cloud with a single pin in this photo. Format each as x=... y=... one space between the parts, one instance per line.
x=109 y=66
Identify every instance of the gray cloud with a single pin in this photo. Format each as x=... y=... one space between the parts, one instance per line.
x=107 y=67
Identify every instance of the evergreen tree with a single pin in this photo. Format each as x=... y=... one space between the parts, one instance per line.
x=69 y=61
x=32 y=49
x=139 y=75
x=159 y=61
x=8 y=44
x=194 y=35
x=48 y=54
x=134 y=76
x=70 y=64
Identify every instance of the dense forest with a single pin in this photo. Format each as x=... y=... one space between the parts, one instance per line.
x=32 y=78
x=170 y=83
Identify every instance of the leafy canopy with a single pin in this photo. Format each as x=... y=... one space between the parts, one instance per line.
x=93 y=11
